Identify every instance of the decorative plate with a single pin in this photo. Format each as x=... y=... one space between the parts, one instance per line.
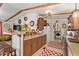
x=31 y=23
x=6 y=25
x=25 y=18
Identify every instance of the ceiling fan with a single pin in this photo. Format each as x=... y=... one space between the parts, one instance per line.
x=61 y=12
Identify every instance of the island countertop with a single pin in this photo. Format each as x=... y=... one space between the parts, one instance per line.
x=74 y=47
x=32 y=36
x=27 y=37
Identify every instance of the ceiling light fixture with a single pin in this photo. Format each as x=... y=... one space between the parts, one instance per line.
x=49 y=12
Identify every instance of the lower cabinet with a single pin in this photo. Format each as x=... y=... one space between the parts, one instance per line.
x=32 y=45
x=27 y=48
x=43 y=40
x=39 y=42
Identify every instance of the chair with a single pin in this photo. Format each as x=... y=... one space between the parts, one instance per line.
x=7 y=49
x=1 y=51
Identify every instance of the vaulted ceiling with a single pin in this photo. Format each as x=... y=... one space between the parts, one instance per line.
x=9 y=9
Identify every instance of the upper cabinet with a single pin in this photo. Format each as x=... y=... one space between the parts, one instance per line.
x=76 y=22
x=73 y=22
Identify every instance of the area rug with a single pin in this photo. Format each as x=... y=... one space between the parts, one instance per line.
x=48 y=52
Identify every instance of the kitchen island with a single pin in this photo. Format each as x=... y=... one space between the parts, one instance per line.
x=27 y=45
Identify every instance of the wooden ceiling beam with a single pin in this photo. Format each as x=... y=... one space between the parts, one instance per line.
x=35 y=7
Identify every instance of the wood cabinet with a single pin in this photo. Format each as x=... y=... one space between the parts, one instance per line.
x=32 y=45
x=43 y=40
x=74 y=21
x=27 y=48
x=39 y=41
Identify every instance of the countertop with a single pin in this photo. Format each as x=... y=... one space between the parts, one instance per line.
x=74 y=48
x=14 y=33
x=27 y=37
x=32 y=36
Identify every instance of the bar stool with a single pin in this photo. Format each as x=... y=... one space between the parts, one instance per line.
x=9 y=51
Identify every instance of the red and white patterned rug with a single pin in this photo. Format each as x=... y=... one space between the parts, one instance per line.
x=48 y=52
x=53 y=48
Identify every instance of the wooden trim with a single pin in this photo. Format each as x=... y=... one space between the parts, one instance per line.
x=26 y=9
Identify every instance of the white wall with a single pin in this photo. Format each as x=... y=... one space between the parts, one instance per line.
x=52 y=20
x=30 y=16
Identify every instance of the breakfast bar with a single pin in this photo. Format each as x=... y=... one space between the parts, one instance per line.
x=26 y=45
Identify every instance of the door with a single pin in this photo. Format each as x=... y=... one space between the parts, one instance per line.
x=27 y=48
x=0 y=27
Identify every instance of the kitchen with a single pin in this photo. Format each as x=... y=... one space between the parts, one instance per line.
x=37 y=26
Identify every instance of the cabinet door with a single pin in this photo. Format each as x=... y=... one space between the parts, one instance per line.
x=34 y=45
x=76 y=23
x=39 y=42
x=27 y=48
x=43 y=40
